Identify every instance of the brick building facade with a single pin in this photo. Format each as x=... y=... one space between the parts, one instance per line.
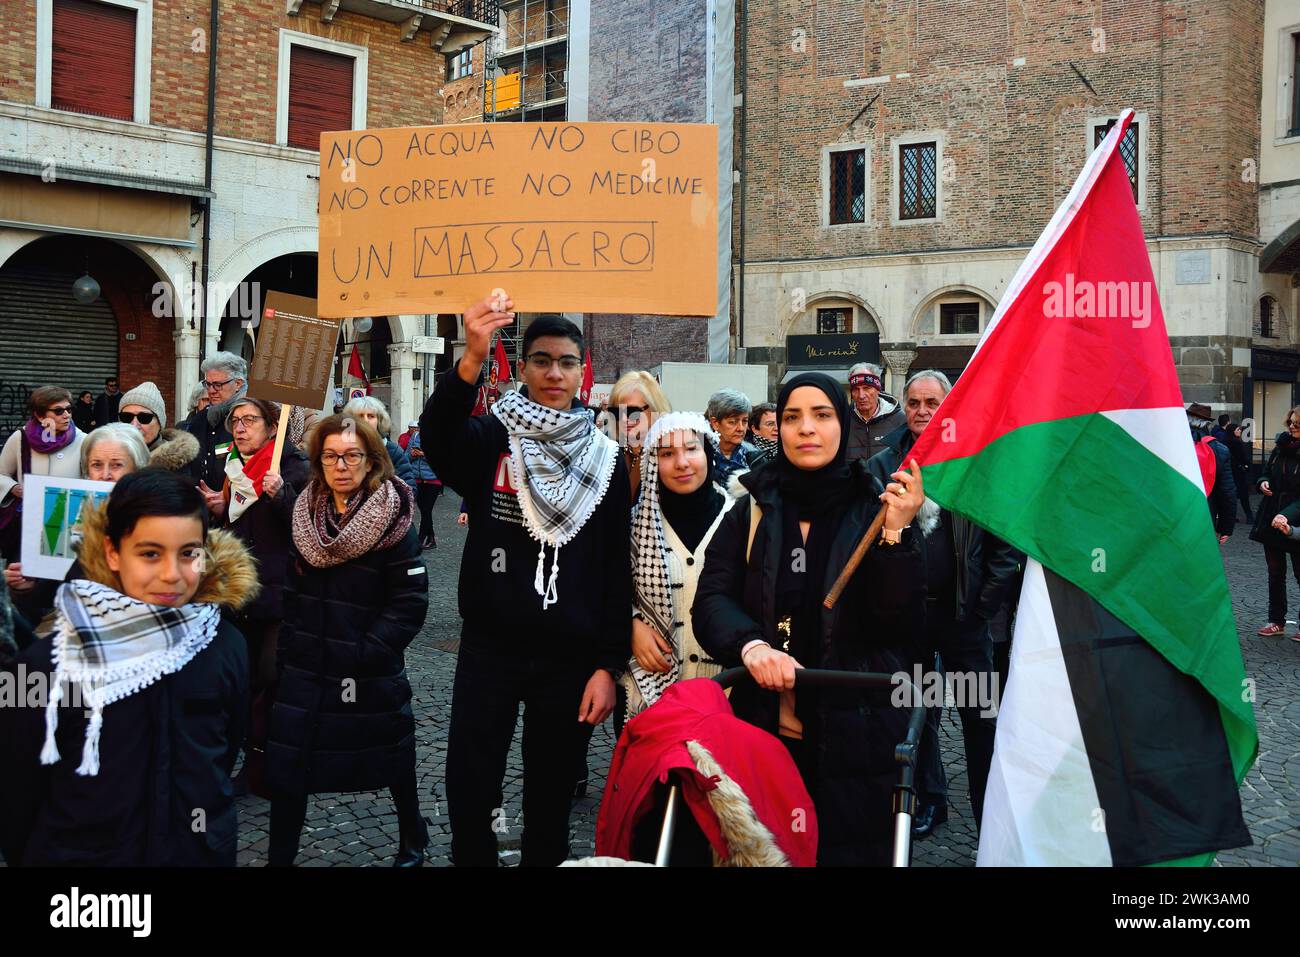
x=148 y=164
x=898 y=169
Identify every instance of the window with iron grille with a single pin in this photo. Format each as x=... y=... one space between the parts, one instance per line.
x=1266 y=318
x=1295 y=86
x=1128 y=150
x=832 y=322
x=959 y=319
x=460 y=64
x=918 y=182
x=848 y=187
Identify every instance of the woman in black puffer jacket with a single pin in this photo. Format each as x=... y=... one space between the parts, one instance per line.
x=1279 y=483
x=356 y=596
x=759 y=603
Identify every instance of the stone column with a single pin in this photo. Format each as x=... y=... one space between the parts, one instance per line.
x=407 y=399
x=187 y=370
x=897 y=361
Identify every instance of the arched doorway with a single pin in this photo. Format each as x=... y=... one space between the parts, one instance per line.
x=52 y=339
x=294 y=273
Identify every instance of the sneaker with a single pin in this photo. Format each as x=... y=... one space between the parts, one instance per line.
x=1269 y=630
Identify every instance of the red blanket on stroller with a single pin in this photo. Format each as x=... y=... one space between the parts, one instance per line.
x=740 y=783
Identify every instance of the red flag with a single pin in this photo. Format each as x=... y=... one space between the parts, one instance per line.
x=587 y=379
x=355 y=370
x=481 y=405
x=500 y=371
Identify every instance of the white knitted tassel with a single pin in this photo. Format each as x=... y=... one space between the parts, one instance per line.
x=50 y=750
x=538 y=579
x=90 y=750
x=552 y=593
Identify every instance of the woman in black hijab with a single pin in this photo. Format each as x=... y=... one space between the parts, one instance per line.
x=759 y=603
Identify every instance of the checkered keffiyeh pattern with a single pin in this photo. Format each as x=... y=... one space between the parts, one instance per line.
x=653 y=592
x=561 y=464
x=114 y=646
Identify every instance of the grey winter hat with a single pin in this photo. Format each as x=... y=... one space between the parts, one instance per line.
x=147 y=395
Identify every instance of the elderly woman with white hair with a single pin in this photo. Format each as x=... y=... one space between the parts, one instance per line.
x=373 y=411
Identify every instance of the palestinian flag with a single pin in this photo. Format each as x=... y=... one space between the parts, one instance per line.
x=1126 y=725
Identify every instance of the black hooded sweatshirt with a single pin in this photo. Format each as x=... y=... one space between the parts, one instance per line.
x=499 y=605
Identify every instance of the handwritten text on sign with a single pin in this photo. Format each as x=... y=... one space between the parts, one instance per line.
x=581 y=217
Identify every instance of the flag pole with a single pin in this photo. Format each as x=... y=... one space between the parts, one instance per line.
x=859 y=553
x=280 y=434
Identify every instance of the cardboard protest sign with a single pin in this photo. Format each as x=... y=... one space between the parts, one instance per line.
x=566 y=217
x=52 y=516
x=293 y=361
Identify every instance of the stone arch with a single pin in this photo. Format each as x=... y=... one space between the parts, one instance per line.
x=826 y=295
x=927 y=302
x=273 y=244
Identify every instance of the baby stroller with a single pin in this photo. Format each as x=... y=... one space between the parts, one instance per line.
x=667 y=759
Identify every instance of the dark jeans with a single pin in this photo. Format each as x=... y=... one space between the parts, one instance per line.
x=289 y=811
x=965 y=647
x=485 y=699
x=426 y=497
x=1276 y=559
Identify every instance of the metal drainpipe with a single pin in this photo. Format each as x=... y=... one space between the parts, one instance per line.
x=744 y=166
x=207 y=182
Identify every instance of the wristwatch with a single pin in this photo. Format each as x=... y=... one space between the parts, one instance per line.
x=889 y=536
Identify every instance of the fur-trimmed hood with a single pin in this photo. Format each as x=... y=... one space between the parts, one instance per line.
x=174 y=450
x=229 y=575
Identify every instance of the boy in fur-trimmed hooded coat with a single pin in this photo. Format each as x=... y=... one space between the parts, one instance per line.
x=160 y=792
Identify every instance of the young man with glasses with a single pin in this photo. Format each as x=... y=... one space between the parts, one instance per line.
x=545 y=583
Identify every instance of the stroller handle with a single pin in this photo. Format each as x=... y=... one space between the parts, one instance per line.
x=863 y=680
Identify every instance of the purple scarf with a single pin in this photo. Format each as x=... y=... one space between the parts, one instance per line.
x=35 y=434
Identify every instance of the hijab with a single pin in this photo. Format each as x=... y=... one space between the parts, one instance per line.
x=690 y=515
x=817 y=492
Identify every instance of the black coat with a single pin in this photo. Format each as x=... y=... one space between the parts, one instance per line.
x=342 y=718
x=871 y=628
x=214 y=445
x=165 y=752
x=106 y=407
x=1222 y=497
x=265 y=529
x=1283 y=476
x=987 y=567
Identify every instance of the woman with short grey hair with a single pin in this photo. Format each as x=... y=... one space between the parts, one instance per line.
x=372 y=410
x=728 y=413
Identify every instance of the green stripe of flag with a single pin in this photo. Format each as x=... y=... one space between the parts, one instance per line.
x=1093 y=504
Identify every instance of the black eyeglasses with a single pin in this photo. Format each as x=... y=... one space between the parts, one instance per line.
x=146 y=418
x=60 y=410
x=632 y=413
x=216 y=385
x=542 y=361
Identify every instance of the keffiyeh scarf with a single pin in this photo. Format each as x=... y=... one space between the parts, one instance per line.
x=114 y=646
x=372 y=522
x=561 y=464
x=651 y=576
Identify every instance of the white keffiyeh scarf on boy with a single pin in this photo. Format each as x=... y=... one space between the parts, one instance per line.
x=561 y=465
x=652 y=587
x=114 y=646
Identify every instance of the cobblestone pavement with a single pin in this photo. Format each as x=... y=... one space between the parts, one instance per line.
x=361 y=829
